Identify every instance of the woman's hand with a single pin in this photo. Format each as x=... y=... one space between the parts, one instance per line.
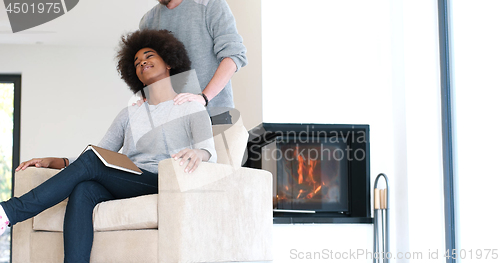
x=42 y=162
x=184 y=97
x=193 y=156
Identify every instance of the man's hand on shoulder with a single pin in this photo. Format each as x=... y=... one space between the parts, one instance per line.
x=185 y=97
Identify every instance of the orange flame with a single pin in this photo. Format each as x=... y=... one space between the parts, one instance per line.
x=310 y=195
x=312 y=164
x=309 y=179
x=301 y=169
x=300 y=192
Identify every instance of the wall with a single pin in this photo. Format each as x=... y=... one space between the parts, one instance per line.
x=70 y=96
x=381 y=56
x=247 y=83
x=423 y=128
x=330 y=66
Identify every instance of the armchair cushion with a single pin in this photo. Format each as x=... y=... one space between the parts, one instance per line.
x=127 y=214
x=124 y=214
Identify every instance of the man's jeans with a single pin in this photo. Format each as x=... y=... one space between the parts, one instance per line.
x=86 y=182
x=223 y=118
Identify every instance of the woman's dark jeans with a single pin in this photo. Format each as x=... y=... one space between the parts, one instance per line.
x=86 y=182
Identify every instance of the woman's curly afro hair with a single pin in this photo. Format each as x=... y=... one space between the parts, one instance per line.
x=170 y=49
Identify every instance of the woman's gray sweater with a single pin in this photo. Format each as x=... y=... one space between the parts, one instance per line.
x=149 y=136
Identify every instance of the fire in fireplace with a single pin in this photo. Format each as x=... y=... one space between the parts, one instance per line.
x=320 y=171
x=307 y=176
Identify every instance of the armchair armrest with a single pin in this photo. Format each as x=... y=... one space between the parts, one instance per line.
x=217 y=213
x=24 y=181
x=30 y=178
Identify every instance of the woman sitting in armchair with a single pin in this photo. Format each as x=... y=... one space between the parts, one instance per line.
x=146 y=133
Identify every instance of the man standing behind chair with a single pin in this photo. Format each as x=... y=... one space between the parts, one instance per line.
x=207 y=29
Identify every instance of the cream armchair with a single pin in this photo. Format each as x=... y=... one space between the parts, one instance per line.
x=221 y=212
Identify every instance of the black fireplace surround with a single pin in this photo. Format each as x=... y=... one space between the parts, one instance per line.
x=321 y=172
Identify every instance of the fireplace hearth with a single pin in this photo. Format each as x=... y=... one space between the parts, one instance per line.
x=321 y=172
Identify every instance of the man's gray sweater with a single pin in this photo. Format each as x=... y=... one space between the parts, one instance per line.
x=208 y=31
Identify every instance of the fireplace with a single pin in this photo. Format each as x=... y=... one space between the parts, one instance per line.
x=320 y=171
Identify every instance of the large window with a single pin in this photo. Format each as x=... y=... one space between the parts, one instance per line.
x=10 y=86
x=475 y=56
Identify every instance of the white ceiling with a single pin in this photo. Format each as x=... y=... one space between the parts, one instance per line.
x=89 y=23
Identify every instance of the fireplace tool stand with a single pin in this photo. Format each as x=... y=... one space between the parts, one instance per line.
x=381 y=221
